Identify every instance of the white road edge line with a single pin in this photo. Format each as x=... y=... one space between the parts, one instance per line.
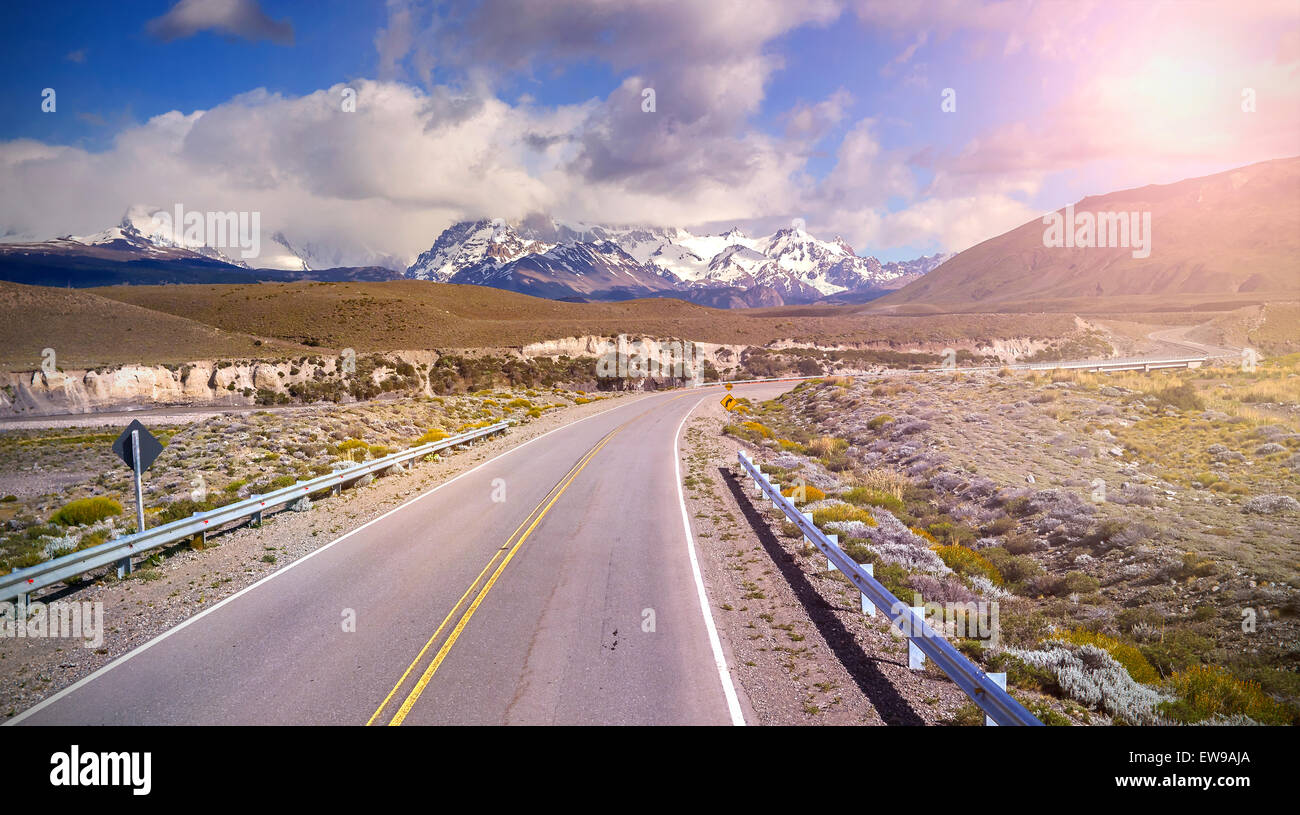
x=146 y=646
x=719 y=661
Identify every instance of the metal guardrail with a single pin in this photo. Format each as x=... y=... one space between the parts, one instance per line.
x=21 y=582
x=1085 y=365
x=997 y=704
x=1090 y=365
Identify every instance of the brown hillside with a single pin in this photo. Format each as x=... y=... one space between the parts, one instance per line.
x=414 y=314
x=1234 y=235
x=86 y=331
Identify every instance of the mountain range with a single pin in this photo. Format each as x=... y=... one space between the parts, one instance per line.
x=546 y=258
x=537 y=256
x=1231 y=234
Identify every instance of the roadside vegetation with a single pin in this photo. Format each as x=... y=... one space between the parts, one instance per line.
x=68 y=490
x=1139 y=531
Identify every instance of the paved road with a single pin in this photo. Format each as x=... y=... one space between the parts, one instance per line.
x=468 y=610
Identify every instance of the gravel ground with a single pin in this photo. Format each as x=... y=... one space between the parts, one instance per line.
x=159 y=596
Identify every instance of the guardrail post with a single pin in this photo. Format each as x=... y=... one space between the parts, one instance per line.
x=915 y=659
x=776 y=490
x=868 y=607
x=999 y=679
x=807 y=541
x=257 y=518
x=830 y=564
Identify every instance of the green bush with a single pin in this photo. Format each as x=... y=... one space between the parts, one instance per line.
x=950 y=532
x=86 y=511
x=857 y=550
x=92 y=539
x=1078 y=582
x=181 y=508
x=969 y=562
x=185 y=507
x=1205 y=691
x=1021 y=674
x=1183 y=397
x=842 y=512
x=1014 y=568
x=1177 y=650
x=348 y=445
x=999 y=526
x=865 y=496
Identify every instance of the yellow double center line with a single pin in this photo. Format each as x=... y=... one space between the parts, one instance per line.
x=509 y=550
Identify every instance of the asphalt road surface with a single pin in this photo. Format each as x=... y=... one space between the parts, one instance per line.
x=554 y=584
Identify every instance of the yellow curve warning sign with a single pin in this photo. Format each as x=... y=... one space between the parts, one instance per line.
x=728 y=401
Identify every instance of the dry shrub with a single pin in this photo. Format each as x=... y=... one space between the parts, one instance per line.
x=883 y=480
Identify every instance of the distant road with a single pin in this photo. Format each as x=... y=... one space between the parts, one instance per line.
x=468 y=610
x=1176 y=340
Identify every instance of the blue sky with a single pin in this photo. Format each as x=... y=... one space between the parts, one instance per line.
x=128 y=76
x=827 y=110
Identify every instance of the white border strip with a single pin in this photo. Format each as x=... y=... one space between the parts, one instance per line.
x=719 y=661
x=146 y=646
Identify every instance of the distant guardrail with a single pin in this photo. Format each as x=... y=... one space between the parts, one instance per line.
x=1097 y=365
x=21 y=582
x=1084 y=365
x=998 y=705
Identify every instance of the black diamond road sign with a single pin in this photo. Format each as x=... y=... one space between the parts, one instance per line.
x=149 y=446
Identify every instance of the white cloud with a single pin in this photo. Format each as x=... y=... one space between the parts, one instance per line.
x=238 y=18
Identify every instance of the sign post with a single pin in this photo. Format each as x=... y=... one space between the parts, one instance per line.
x=137 y=448
x=139 y=492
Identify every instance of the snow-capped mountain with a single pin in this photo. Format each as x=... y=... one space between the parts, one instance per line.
x=142 y=229
x=143 y=248
x=552 y=259
x=538 y=256
x=473 y=247
x=919 y=266
x=153 y=233
x=283 y=253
